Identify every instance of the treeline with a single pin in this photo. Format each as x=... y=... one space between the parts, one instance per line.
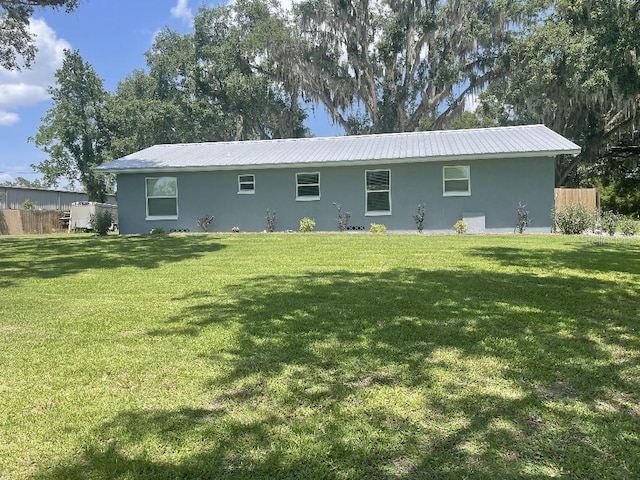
x=251 y=70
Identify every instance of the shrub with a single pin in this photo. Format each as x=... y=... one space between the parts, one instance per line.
x=101 y=222
x=419 y=217
x=460 y=227
x=609 y=222
x=574 y=218
x=28 y=205
x=307 y=224
x=205 y=222
x=377 y=228
x=342 y=219
x=271 y=221
x=523 y=218
x=628 y=226
x=157 y=231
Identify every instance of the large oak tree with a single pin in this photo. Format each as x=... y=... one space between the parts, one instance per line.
x=577 y=70
x=400 y=65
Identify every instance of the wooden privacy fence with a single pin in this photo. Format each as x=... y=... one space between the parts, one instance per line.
x=588 y=197
x=19 y=222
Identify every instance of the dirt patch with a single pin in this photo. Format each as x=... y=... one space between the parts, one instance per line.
x=557 y=391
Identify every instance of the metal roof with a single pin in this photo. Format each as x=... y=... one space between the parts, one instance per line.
x=516 y=141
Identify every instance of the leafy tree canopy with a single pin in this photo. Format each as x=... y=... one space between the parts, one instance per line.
x=72 y=131
x=24 y=182
x=16 y=42
x=213 y=85
x=392 y=66
x=617 y=174
x=576 y=70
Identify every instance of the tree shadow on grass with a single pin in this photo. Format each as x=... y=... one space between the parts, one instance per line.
x=51 y=257
x=600 y=254
x=408 y=373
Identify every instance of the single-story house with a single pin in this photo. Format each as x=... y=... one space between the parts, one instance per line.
x=480 y=175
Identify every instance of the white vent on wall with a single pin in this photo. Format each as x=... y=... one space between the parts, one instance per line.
x=475 y=221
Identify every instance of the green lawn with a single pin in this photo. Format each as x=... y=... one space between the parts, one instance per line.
x=322 y=356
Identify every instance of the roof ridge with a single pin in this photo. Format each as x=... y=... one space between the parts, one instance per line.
x=347 y=137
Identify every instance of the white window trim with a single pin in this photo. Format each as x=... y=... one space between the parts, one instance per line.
x=247 y=192
x=146 y=201
x=376 y=213
x=456 y=193
x=307 y=198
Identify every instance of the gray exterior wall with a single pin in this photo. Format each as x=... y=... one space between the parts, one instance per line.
x=497 y=185
x=13 y=198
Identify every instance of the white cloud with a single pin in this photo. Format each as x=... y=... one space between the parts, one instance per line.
x=8 y=118
x=5 y=177
x=29 y=86
x=182 y=11
x=21 y=94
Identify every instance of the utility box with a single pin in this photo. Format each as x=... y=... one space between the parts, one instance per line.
x=81 y=215
x=475 y=221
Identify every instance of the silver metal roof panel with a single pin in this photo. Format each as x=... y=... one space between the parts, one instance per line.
x=516 y=141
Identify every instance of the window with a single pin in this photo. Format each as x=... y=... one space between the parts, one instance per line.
x=378 y=192
x=307 y=186
x=162 y=197
x=246 y=184
x=455 y=181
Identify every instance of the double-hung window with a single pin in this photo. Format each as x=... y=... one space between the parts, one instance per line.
x=378 y=188
x=307 y=186
x=162 y=197
x=456 y=181
x=246 y=184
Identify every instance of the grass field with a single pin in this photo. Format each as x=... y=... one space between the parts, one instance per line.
x=320 y=356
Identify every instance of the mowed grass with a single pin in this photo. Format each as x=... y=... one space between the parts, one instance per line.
x=319 y=356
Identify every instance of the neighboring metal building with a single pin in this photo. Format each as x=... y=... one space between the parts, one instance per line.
x=480 y=175
x=43 y=199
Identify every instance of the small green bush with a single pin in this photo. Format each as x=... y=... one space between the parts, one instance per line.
x=101 y=222
x=460 y=227
x=574 y=219
x=628 y=226
x=307 y=224
x=157 y=231
x=377 y=228
x=28 y=205
x=609 y=222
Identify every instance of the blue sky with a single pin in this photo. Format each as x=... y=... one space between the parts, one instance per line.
x=112 y=35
